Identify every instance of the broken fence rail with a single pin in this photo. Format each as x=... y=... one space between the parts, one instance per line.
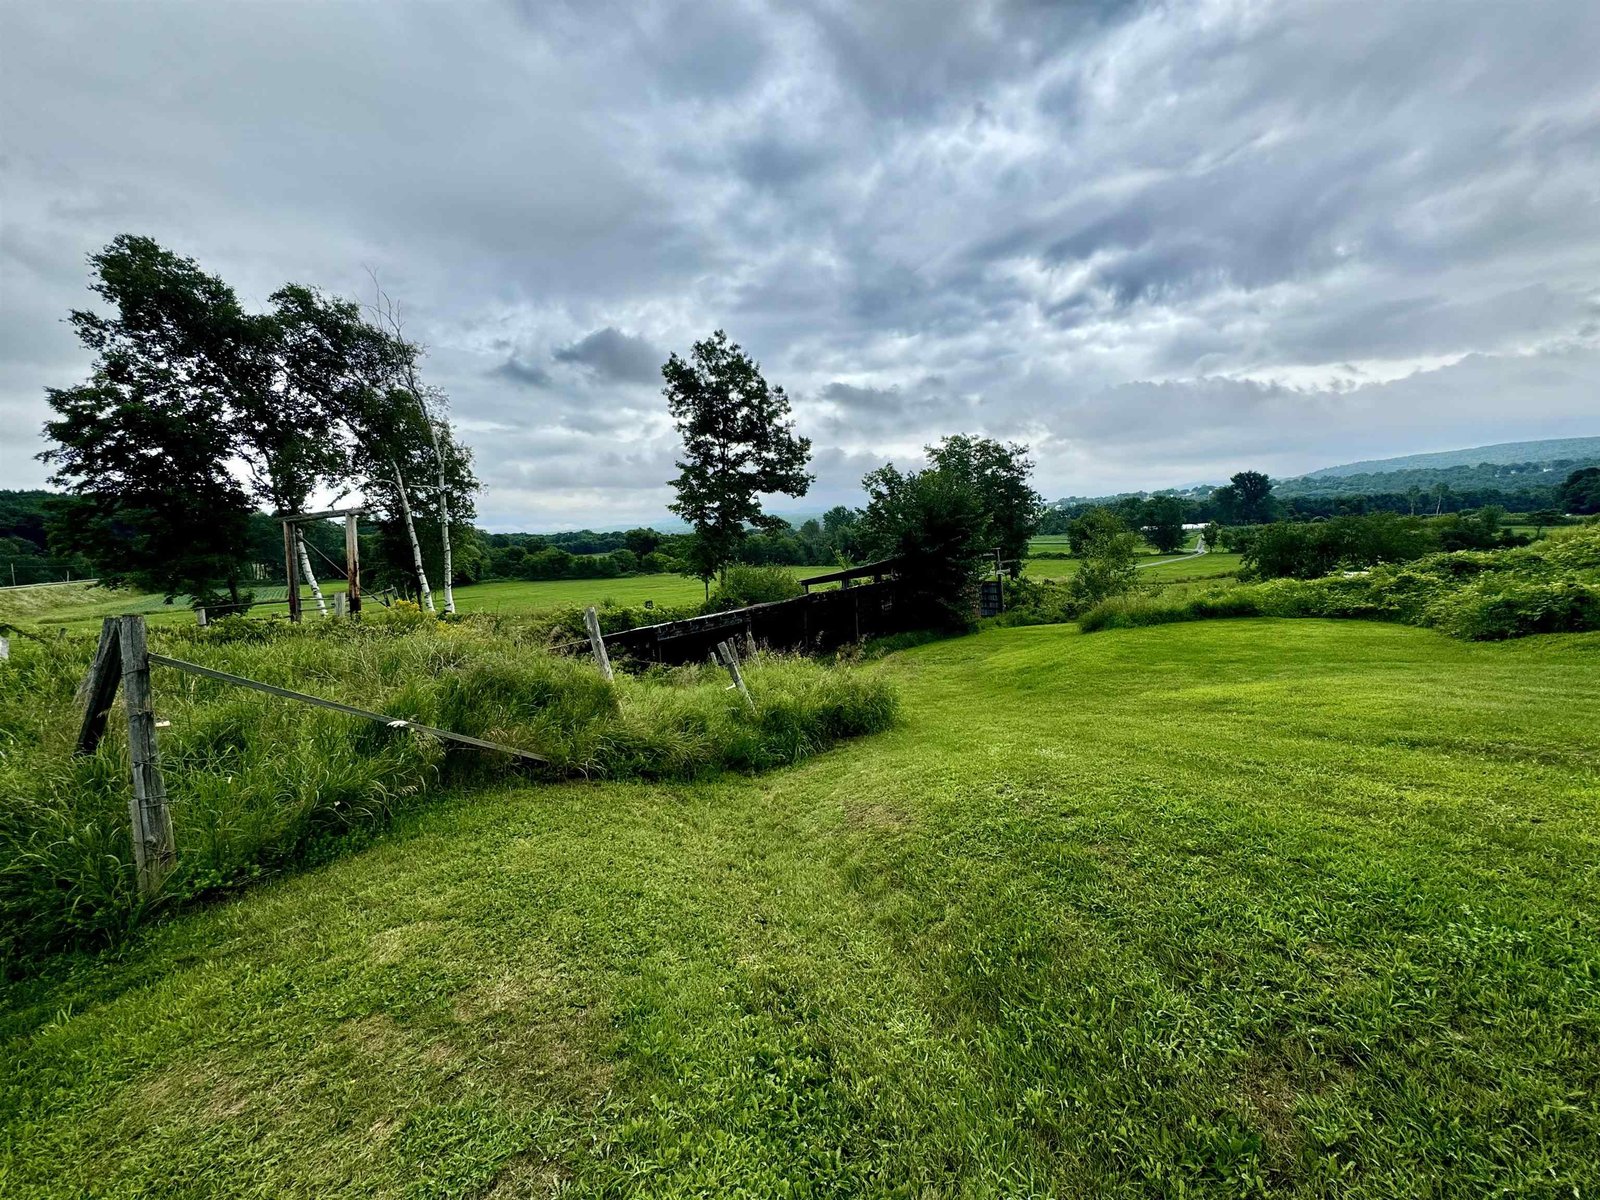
x=179 y=664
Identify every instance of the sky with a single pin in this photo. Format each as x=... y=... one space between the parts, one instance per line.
x=1157 y=243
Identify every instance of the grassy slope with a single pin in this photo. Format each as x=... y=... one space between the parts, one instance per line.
x=1299 y=905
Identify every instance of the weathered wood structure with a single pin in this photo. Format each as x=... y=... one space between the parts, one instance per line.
x=815 y=621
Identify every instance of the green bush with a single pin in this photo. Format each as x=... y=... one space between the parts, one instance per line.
x=742 y=586
x=1552 y=586
x=258 y=783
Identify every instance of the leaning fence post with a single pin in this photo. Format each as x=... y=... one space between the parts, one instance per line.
x=597 y=643
x=99 y=688
x=730 y=659
x=153 y=849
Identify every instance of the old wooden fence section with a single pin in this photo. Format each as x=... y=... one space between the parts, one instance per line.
x=122 y=659
x=816 y=621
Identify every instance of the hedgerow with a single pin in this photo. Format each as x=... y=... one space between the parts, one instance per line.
x=1552 y=586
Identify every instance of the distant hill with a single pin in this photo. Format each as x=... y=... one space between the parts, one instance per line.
x=1504 y=453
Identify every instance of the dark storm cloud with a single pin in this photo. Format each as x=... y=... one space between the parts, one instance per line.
x=611 y=354
x=1156 y=241
x=523 y=374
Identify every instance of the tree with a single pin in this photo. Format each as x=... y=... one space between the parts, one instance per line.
x=738 y=445
x=1088 y=530
x=934 y=522
x=1579 y=493
x=1163 y=523
x=145 y=445
x=998 y=475
x=1107 y=568
x=1246 y=499
x=1542 y=517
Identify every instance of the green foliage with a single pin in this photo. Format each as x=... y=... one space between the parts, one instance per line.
x=1305 y=551
x=187 y=387
x=998 y=476
x=1093 y=528
x=258 y=783
x=146 y=444
x=1552 y=586
x=738 y=445
x=1245 y=500
x=1106 y=567
x=934 y=523
x=1161 y=522
x=742 y=585
x=1580 y=492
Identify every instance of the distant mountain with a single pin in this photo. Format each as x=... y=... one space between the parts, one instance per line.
x=1504 y=453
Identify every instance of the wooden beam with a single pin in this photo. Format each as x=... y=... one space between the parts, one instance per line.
x=352 y=565
x=327 y=514
x=597 y=643
x=730 y=659
x=154 y=852
x=291 y=570
x=161 y=660
x=99 y=688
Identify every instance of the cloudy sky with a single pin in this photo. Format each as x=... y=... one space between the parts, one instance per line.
x=1157 y=242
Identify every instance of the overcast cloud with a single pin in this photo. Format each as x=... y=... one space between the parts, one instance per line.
x=1158 y=242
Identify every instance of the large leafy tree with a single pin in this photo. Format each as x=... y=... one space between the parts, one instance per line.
x=738 y=445
x=998 y=475
x=1162 y=523
x=144 y=447
x=1246 y=499
x=935 y=523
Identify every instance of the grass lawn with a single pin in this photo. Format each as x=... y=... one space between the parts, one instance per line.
x=1298 y=907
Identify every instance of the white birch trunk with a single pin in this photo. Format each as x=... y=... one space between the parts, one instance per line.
x=444 y=519
x=411 y=532
x=307 y=572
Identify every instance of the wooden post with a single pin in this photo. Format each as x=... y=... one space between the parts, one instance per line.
x=200 y=617
x=352 y=565
x=597 y=643
x=341 y=604
x=291 y=570
x=99 y=687
x=730 y=659
x=153 y=849
x=5 y=647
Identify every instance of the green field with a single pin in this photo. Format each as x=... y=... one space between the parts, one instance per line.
x=78 y=606
x=1293 y=907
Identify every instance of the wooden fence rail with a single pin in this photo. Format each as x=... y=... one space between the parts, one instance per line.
x=122 y=659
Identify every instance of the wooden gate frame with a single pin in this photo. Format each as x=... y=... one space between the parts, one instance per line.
x=352 y=556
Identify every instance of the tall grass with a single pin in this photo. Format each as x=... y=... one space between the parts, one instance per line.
x=258 y=783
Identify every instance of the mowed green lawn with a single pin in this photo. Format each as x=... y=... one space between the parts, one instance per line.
x=1231 y=908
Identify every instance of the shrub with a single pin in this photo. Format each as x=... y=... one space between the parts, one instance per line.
x=742 y=586
x=1552 y=586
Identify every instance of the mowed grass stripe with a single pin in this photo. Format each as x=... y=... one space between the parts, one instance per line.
x=1210 y=909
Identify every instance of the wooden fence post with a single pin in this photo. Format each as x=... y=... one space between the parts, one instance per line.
x=99 y=688
x=153 y=850
x=291 y=571
x=352 y=564
x=597 y=643
x=730 y=659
